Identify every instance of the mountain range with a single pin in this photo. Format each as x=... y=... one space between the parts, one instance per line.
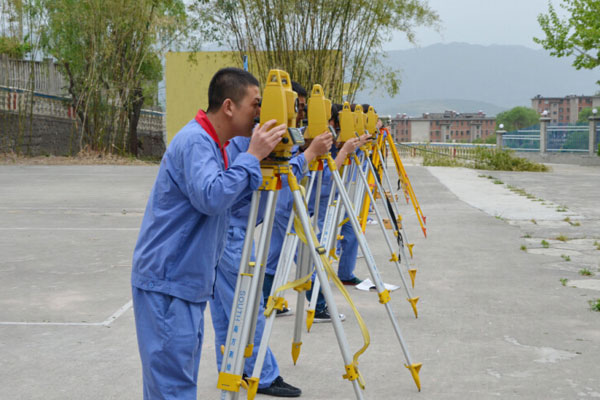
x=469 y=78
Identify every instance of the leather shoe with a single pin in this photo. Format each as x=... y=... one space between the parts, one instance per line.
x=280 y=389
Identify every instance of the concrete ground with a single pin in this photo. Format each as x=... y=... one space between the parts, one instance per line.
x=495 y=320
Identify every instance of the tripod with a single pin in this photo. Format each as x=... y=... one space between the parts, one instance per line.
x=240 y=335
x=327 y=238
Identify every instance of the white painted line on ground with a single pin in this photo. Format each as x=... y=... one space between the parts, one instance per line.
x=66 y=229
x=118 y=313
x=106 y=322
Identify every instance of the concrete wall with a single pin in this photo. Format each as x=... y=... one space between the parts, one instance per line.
x=187 y=83
x=419 y=131
x=48 y=126
x=560 y=158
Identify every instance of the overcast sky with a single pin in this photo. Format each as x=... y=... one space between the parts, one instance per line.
x=482 y=22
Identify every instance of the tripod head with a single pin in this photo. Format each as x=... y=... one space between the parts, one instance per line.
x=347 y=128
x=280 y=102
x=319 y=114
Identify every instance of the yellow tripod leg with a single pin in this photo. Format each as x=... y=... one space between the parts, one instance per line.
x=404 y=177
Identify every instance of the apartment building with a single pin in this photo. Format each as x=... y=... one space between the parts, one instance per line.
x=564 y=109
x=449 y=126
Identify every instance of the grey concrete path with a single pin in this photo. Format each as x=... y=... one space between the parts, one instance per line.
x=494 y=321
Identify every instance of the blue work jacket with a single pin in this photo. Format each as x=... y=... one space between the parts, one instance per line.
x=184 y=228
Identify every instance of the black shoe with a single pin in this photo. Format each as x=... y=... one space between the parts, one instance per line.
x=324 y=316
x=285 y=312
x=352 y=282
x=280 y=389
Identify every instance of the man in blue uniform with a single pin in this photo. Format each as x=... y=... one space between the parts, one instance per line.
x=227 y=270
x=184 y=227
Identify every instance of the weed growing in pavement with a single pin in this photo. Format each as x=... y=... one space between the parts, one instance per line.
x=498 y=182
x=527 y=236
x=523 y=247
x=594 y=305
x=597 y=245
x=565 y=257
x=564 y=281
x=561 y=209
x=562 y=238
x=585 y=272
x=545 y=244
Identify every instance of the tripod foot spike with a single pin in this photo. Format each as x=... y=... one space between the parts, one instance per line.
x=252 y=387
x=410 y=247
x=296 y=351
x=414 y=371
x=310 y=316
x=425 y=220
x=413 y=303
x=424 y=231
x=413 y=274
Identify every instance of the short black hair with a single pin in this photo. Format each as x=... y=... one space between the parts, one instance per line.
x=229 y=83
x=298 y=88
x=335 y=113
x=366 y=107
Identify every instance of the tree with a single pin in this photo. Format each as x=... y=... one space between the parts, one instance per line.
x=585 y=114
x=110 y=52
x=517 y=118
x=579 y=34
x=319 y=41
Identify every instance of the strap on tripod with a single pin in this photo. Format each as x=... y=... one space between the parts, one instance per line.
x=352 y=371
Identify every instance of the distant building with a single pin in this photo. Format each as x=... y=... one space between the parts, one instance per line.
x=448 y=126
x=564 y=109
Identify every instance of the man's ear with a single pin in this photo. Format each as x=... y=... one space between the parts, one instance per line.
x=228 y=107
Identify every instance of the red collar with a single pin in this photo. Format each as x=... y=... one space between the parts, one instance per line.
x=205 y=123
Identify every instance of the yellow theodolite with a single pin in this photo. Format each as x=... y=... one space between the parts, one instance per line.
x=319 y=114
x=347 y=128
x=372 y=119
x=280 y=102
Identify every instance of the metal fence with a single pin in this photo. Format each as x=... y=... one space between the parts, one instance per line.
x=563 y=138
x=36 y=76
x=568 y=138
x=453 y=150
x=527 y=139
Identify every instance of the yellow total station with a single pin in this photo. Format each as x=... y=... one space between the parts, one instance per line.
x=319 y=114
x=280 y=102
x=372 y=119
x=347 y=125
x=359 y=120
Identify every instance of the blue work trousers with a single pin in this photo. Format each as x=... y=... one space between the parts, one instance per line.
x=169 y=332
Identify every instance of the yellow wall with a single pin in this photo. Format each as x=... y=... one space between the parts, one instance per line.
x=187 y=84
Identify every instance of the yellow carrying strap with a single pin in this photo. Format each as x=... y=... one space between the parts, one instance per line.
x=299 y=285
x=352 y=371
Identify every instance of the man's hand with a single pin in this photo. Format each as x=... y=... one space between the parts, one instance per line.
x=319 y=146
x=363 y=139
x=264 y=139
x=348 y=148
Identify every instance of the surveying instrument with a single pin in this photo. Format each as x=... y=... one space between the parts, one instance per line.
x=336 y=206
x=279 y=103
x=356 y=167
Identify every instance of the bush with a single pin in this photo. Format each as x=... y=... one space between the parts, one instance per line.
x=504 y=160
x=485 y=158
x=13 y=47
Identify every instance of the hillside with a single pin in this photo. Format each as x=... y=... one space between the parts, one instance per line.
x=489 y=78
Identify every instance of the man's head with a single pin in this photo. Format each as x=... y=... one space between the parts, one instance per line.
x=235 y=95
x=335 y=116
x=302 y=95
